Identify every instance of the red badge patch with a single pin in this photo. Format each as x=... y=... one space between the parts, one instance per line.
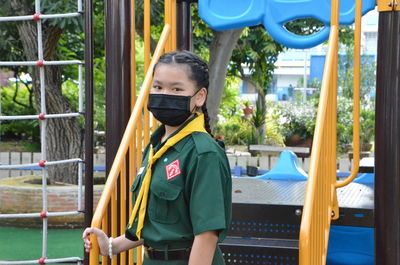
x=173 y=169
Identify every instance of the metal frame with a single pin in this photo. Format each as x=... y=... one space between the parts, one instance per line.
x=387 y=143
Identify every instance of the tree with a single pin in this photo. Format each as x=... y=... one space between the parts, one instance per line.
x=346 y=67
x=257 y=53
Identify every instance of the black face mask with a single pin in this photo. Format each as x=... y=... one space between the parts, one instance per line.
x=171 y=110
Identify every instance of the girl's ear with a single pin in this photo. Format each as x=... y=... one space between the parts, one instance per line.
x=201 y=97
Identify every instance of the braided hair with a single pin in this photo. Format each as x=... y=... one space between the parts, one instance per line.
x=198 y=74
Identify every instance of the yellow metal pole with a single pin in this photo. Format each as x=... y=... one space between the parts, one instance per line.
x=313 y=225
x=114 y=219
x=132 y=176
x=147 y=40
x=356 y=98
x=139 y=255
x=146 y=35
x=133 y=54
x=132 y=152
x=173 y=25
x=167 y=21
x=104 y=260
x=122 y=201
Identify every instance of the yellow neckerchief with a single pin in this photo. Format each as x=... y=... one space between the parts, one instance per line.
x=196 y=125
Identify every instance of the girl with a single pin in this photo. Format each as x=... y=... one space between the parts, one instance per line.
x=182 y=194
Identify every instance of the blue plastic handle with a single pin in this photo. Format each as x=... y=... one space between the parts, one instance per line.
x=274 y=14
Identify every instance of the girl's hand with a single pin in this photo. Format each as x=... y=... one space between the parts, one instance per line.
x=102 y=240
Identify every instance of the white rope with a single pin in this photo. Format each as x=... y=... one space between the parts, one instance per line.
x=45 y=163
x=76 y=260
x=35 y=63
x=33 y=215
x=42 y=117
x=31 y=17
x=34 y=117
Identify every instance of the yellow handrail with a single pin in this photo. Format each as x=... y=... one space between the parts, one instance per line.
x=320 y=198
x=118 y=167
x=320 y=203
x=356 y=98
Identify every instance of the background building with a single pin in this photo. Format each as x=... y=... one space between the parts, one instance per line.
x=293 y=66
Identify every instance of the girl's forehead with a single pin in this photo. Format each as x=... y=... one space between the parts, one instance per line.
x=173 y=67
x=172 y=71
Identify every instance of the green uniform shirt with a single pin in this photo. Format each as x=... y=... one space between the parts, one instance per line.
x=190 y=192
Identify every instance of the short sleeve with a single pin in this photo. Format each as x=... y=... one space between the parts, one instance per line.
x=210 y=194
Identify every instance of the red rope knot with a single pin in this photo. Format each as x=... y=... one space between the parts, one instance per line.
x=42 y=163
x=42 y=260
x=42 y=116
x=36 y=16
x=43 y=214
x=40 y=63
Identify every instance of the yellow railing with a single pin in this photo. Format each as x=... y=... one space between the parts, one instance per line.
x=113 y=211
x=320 y=204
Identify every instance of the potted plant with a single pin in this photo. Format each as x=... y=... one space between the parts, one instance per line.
x=247 y=109
x=297 y=123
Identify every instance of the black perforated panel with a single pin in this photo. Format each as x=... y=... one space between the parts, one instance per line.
x=261 y=255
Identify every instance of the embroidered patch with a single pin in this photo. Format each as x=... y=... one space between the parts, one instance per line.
x=173 y=169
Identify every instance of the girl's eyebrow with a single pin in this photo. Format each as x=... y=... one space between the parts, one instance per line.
x=171 y=84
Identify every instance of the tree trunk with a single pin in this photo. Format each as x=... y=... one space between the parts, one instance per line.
x=64 y=137
x=263 y=106
x=220 y=53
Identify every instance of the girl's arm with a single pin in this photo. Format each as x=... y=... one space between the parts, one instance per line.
x=119 y=244
x=203 y=248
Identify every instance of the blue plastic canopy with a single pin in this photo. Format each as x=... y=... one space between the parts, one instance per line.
x=274 y=14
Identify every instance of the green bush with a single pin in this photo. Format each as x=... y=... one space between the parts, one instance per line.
x=235 y=130
x=239 y=130
x=230 y=103
x=17 y=102
x=295 y=118
x=345 y=123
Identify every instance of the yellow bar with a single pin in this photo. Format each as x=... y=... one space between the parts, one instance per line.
x=154 y=123
x=315 y=223
x=173 y=25
x=132 y=176
x=167 y=21
x=132 y=152
x=356 y=98
x=146 y=126
x=122 y=198
x=125 y=142
x=139 y=141
x=147 y=39
x=133 y=55
x=139 y=255
x=131 y=255
x=146 y=35
x=95 y=251
x=114 y=219
x=104 y=260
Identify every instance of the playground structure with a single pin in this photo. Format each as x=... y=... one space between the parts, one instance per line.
x=314 y=232
x=42 y=117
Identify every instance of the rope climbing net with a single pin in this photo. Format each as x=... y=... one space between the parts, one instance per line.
x=42 y=118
